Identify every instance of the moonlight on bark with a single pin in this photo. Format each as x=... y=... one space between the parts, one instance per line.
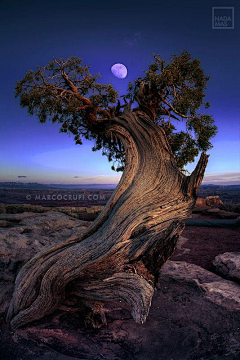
x=120 y=255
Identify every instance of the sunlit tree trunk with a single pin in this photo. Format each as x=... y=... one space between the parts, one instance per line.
x=119 y=256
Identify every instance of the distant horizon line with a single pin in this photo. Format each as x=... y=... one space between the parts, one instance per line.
x=54 y=183
x=102 y=184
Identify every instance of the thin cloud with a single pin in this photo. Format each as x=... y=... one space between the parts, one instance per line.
x=96 y=177
x=102 y=179
x=230 y=178
x=22 y=176
x=76 y=177
x=133 y=40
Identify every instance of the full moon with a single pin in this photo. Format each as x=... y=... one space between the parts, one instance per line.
x=119 y=70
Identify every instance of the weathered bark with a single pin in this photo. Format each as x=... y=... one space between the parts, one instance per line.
x=119 y=256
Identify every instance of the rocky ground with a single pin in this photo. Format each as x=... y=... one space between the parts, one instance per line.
x=195 y=313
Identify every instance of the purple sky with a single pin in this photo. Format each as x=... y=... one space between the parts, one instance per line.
x=103 y=33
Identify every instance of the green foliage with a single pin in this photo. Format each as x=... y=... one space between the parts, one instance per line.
x=48 y=95
x=64 y=91
x=175 y=92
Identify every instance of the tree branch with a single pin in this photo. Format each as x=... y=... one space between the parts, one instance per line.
x=193 y=181
x=172 y=108
x=74 y=89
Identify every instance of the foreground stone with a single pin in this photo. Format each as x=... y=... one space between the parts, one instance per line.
x=201 y=209
x=79 y=212
x=217 y=223
x=27 y=234
x=4 y=223
x=208 y=201
x=20 y=208
x=201 y=202
x=213 y=201
x=213 y=211
x=213 y=288
x=2 y=209
x=228 y=265
x=195 y=315
x=227 y=215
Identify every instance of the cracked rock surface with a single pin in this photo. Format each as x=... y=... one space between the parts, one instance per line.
x=23 y=236
x=195 y=314
x=228 y=265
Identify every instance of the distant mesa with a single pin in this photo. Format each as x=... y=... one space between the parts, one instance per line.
x=36 y=186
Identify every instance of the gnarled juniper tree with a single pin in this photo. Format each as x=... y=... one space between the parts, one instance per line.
x=119 y=256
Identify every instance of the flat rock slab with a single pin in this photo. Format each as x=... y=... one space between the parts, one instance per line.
x=5 y=223
x=26 y=235
x=201 y=208
x=214 y=288
x=195 y=315
x=224 y=223
x=205 y=243
x=213 y=211
x=228 y=215
x=17 y=217
x=228 y=265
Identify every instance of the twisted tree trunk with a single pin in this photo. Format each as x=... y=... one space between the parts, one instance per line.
x=119 y=256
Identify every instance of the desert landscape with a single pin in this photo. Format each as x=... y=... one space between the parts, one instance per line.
x=195 y=311
x=119 y=180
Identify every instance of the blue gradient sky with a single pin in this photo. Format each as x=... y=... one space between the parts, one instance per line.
x=103 y=33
